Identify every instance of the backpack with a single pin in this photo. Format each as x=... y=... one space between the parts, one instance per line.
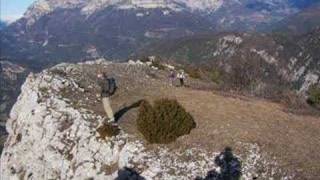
x=108 y=86
x=172 y=75
x=112 y=86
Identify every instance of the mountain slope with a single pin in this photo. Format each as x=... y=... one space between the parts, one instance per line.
x=270 y=60
x=98 y=35
x=300 y=23
x=71 y=30
x=59 y=108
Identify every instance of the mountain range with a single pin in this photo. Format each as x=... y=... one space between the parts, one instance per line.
x=282 y=35
x=73 y=30
x=299 y=23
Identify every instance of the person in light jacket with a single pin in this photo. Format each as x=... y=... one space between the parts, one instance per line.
x=181 y=76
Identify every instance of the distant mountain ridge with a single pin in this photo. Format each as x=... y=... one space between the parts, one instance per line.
x=300 y=23
x=303 y=3
x=73 y=30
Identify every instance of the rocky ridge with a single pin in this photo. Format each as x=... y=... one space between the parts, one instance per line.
x=46 y=127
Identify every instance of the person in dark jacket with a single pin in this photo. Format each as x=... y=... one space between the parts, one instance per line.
x=108 y=88
x=172 y=77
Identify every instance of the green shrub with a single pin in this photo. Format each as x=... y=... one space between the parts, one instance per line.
x=215 y=76
x=314 y=95
x=144 y=59
x=43 y=90
x=157 y=64
x=108 y=130
x=193 y=72
x=164 y=122
x=58 y=72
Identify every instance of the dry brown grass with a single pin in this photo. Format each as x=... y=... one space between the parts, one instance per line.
x=224 y=121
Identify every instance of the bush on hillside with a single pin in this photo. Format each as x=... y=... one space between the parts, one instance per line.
x=193 y=72
x=215 y=76
x=144 y=59
x=164 y=122
x=314 y=95
x=108 y=130
x=293 y=100
x=244 y=74
x=58 y=72
x=157 y=63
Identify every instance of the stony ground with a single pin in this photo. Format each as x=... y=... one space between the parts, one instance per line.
x=269 y=142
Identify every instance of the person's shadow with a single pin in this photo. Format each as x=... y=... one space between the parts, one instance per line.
x=230 y=167
x=128 y=174
x=125 y=109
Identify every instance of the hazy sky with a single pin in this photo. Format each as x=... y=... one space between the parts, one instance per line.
x=11 y=10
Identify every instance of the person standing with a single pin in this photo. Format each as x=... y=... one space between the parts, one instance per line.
x=108 y=88
x=172 y=77
x=181 y=76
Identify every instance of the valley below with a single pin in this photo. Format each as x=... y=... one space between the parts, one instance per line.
x=11 y=79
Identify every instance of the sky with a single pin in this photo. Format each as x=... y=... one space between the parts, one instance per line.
x=11 y=10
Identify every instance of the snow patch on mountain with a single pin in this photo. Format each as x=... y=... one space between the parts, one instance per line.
x=202 y=5
x=95 y=5
x=43 y=7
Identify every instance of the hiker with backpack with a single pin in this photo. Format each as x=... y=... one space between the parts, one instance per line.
x=108 y=88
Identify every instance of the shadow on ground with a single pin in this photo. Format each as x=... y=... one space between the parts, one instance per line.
x=230 y=167
x=124 y=110
x=128 y=174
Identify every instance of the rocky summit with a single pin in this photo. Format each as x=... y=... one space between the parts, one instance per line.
x=53 y=130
